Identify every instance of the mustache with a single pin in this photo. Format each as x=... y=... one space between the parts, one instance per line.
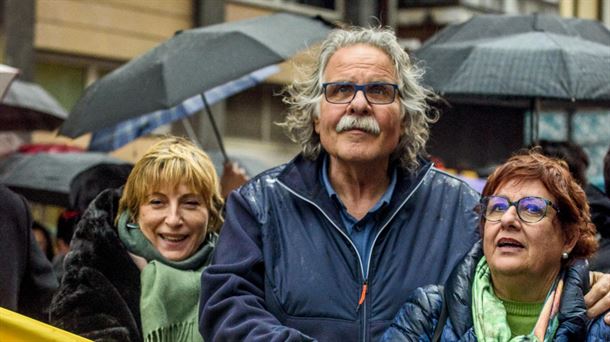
x=365 y=123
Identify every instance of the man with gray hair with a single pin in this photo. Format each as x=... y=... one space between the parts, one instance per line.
x=328 y=246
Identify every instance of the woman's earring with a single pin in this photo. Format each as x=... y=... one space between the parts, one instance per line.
x=133 y=226
x=565 y=255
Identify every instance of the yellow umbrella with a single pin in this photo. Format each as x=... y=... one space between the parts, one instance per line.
x=15 y=327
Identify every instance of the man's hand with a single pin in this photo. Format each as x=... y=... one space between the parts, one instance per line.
x=232 y=178
x=598 y=298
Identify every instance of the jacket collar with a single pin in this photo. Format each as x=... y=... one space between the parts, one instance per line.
x=572 y=313
x=302 y=176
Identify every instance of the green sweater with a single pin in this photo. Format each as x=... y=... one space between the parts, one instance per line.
x=522 y=317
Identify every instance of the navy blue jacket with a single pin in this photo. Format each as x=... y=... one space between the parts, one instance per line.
x=285 y=270
x=418 y=318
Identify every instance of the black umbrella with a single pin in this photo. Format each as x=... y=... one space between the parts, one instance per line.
x=27 y=106
x=495 y=58
x=46 y=177
x=188 y=64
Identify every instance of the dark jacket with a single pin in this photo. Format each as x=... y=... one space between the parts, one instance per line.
x=27 y=281
x=418 y=318
x=599 y=204
x=99 y=297
x=285 y=270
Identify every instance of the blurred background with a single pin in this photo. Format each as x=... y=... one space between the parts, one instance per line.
x=65 y=45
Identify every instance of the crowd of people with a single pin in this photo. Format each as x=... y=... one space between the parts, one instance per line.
x=358 y=238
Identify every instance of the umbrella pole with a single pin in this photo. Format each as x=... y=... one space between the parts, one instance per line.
x=534 y=120
x=190 y=131
x=216 y=132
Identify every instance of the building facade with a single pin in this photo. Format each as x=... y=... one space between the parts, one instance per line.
x=64 y=45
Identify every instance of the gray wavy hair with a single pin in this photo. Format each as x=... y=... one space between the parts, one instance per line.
x=303 y=97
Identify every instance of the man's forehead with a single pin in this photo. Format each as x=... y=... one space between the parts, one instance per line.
x=362 y=60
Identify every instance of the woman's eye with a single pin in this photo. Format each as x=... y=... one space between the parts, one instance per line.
x=498 y=207
x=191 y=203
x=155 y=201
x=534 y=209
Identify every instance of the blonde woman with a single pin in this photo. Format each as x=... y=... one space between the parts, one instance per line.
x=133 y=272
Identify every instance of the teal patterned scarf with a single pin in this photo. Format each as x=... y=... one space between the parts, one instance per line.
x=489 y=315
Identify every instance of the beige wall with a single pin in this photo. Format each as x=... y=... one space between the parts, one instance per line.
x=111 y=29
x=586 y=9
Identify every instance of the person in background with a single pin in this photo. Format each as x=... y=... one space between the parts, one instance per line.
x=44 y=239
x=233 y=176
x=83 y=189
x=600 y=214
x=573 y=154
x=135 y=259
x=599 y=203
x=526 y=279
x=66 y=223
x=27 y=281
x=92 y=181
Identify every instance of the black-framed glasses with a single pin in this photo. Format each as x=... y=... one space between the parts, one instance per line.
x=375 y=93
x=530 y=209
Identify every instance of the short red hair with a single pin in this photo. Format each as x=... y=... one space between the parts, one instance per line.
x=554 y=174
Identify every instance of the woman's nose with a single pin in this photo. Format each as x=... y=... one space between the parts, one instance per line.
x=510 y=218
x=173 y=217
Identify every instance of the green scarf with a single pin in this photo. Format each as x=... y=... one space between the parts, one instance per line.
x=170 y=289
x=489 y=314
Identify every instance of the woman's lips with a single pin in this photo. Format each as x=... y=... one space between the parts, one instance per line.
x=509 y=243
x=174 y=241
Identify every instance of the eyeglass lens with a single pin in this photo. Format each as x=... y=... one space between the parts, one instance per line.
x=529 y=209
x=376 y=93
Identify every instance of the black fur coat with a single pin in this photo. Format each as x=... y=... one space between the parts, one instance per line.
x=99 y=296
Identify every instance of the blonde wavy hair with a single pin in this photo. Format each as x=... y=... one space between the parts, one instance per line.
x=303 y=97
x=173 y=161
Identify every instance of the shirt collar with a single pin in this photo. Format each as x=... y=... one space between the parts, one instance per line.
x=385 y=199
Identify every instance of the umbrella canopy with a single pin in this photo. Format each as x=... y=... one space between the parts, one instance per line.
x=188 y=64
x=46 y=177
x=27 y=106
x=527 y=57
x=112 y=138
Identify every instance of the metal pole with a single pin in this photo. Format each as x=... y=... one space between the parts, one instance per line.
x=191 y=132
x=216 y=132
x=571 y=111
x=531 y=123
x=536 y=119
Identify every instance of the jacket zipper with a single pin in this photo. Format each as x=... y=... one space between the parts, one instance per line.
x=362 y=300
x=368 y=264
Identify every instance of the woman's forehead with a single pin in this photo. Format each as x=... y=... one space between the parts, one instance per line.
x=516 y=188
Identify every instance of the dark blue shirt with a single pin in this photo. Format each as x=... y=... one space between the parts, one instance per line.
x=362 y=233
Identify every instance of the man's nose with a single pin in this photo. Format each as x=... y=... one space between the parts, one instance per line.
x=359 y=103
